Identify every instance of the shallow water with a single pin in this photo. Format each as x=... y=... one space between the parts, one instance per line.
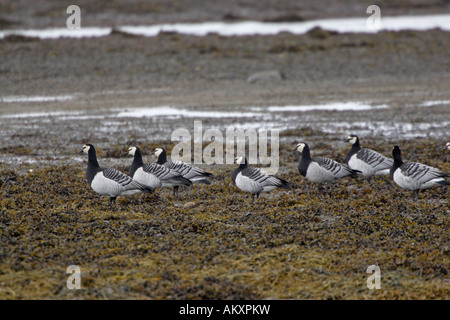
x=57 y=135
x=12 y=99
x=246 y=28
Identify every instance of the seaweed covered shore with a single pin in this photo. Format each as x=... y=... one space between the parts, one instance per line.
x=213 y=243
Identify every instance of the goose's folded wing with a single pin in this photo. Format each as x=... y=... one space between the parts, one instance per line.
x=186 y=170
x=124 y=181
x=376 y=160
x=337 y=169
x=420 y=172
x=160 y=171
x=261 y=177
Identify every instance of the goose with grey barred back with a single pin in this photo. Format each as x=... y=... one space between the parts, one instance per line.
x=415 y=176
x=108 y=181
x=255 y=180
x=321 y=169
x=192 y=173
x=368 y=161
x=154 y=175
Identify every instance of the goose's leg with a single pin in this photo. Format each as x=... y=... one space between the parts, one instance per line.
x=175 y=191
x=112 y=200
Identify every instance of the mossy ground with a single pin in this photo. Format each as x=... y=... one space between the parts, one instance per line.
x=213 y=243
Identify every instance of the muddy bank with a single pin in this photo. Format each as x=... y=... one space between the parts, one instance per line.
x=121 y=62
x=93 y=80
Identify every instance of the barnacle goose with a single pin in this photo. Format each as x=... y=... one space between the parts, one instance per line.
x=415 y=176
x=368 y=161
x=109 y=181
x=321 y=169
x=155 y=175
x=195 y=174
x=255 y=180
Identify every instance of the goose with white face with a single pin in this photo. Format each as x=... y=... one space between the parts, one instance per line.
x=85 y=149
x=255 y=180
x=158 y=151
x=352 y=139
x=192 y=173
x=320 y=169
x=370 y=162
x=154 y=175
x=239 y=160
x=131 y=151
x=109 y=181
x=299 y=147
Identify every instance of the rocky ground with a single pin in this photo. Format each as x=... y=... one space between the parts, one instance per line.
x=212 y=243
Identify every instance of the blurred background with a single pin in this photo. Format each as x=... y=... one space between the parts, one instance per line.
x=44 y=14
x=135 y=73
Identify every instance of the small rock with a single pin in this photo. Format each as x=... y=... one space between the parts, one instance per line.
x=189 y=204
x=273 y=75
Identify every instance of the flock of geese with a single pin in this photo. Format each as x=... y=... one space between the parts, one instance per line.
x=146 y=177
